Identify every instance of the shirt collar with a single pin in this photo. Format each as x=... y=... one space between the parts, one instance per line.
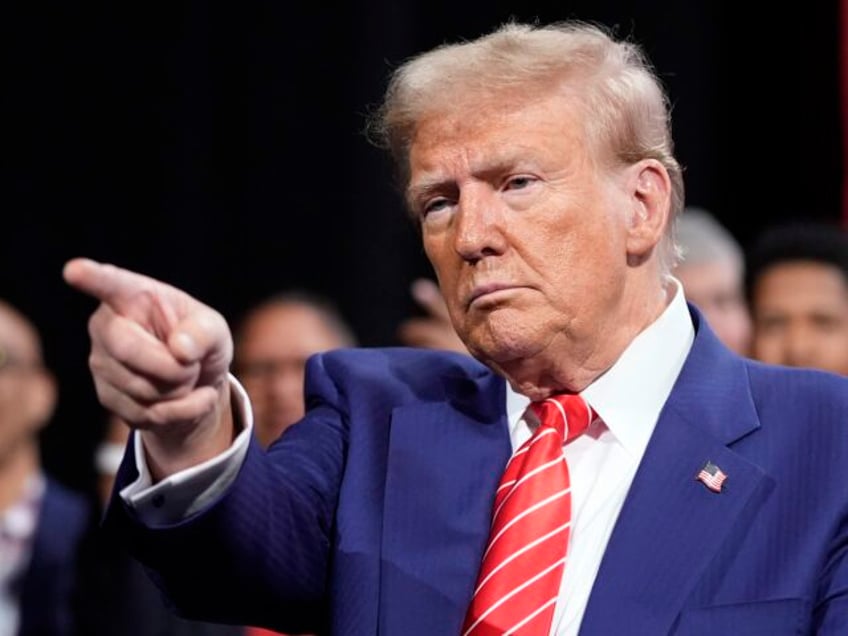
x=631 y=394
x=18 y=521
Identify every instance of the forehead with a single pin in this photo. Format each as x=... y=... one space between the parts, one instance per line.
x=282 y=329
x=491 y=131
x=802 y=283
x=17 y=337
x=719 y=273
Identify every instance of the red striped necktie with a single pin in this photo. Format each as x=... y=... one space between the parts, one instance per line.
x=518 y=585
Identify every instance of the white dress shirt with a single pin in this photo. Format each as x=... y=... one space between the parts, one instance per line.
x=628 y=399
x=18 y=525
x=602 y=462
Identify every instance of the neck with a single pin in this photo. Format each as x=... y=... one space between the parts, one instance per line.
x=15 y=470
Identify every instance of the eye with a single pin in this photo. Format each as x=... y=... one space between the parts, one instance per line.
x=434 y=205
x=520 y=182
x=826 y=323
x=771 y=323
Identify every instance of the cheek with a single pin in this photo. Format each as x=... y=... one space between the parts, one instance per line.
x=581 y=271
x=9 y=406
x=435 y=248
x=293 y=383
x=253 y=387
x=447 y=267
x=767 y=348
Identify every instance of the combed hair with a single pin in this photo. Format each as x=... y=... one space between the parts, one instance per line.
x=625 y=107
x=324 y=308
x=797 y=241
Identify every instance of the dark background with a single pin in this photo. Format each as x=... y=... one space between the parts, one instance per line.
x=219 y=146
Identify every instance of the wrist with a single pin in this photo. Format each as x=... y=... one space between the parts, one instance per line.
x=177 y=446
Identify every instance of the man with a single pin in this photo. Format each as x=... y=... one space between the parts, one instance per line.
x=538 y=163
x=712 y=273
x=272 y=343
x=42 y=523
x=798 y=289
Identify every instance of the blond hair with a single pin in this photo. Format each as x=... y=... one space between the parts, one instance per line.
x=626 y=110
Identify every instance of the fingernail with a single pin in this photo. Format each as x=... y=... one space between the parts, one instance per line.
x=187 y=346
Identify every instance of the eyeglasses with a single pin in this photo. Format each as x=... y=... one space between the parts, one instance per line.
x=9 y=362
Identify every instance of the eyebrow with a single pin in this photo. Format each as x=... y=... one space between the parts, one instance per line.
x=8 y=358
x=425 y=189
x=494 y=165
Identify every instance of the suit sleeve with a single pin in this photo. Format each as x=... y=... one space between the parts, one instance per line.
x=260 y=553
x=831 y=613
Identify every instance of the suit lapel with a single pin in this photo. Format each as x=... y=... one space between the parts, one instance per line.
x=671 y=525
x=445 y=459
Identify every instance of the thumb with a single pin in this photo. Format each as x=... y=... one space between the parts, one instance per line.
x=203 y=336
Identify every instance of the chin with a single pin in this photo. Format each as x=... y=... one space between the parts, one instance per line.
x=502 y=348
x=505 y=337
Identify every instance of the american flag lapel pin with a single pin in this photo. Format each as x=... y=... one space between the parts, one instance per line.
x=711 y=476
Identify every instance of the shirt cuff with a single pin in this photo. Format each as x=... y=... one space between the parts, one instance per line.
x=182 y=494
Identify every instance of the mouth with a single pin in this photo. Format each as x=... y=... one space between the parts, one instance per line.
x=489 y=292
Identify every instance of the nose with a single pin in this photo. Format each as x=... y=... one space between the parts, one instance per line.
x=479 y=225
x=799 y=347
x=287 y=387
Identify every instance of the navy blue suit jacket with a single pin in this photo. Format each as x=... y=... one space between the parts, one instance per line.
x=47 y=585
x=372 y=514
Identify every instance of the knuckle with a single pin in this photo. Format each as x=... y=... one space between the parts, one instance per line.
x=96 y=363
x=95 y=323
x=124 y=349
x=157 y=416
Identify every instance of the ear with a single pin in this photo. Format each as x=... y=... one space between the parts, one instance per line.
x=41 y=397
x=649 y=188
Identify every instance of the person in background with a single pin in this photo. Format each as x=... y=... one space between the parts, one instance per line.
x=603 y=464
x=433 y=330
x=42 y=523
x=797 y=287
x=712 y=271
x=108 y=455
x=272 y=343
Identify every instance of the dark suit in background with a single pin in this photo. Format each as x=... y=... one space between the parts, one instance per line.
x=47 y=584
x=118 y=598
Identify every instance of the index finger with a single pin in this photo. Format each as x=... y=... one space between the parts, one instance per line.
x=107 y=283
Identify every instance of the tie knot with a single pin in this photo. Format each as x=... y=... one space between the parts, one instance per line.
x=568 y=413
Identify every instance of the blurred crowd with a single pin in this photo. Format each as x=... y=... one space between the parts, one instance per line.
x=782 y=300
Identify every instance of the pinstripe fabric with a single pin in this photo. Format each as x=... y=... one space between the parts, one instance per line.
x=519 y=580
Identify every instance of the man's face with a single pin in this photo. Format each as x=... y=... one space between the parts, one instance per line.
x=26 y=392
x=270 y=361
x=716 y=289
x=526 y=234
x=800 y=311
